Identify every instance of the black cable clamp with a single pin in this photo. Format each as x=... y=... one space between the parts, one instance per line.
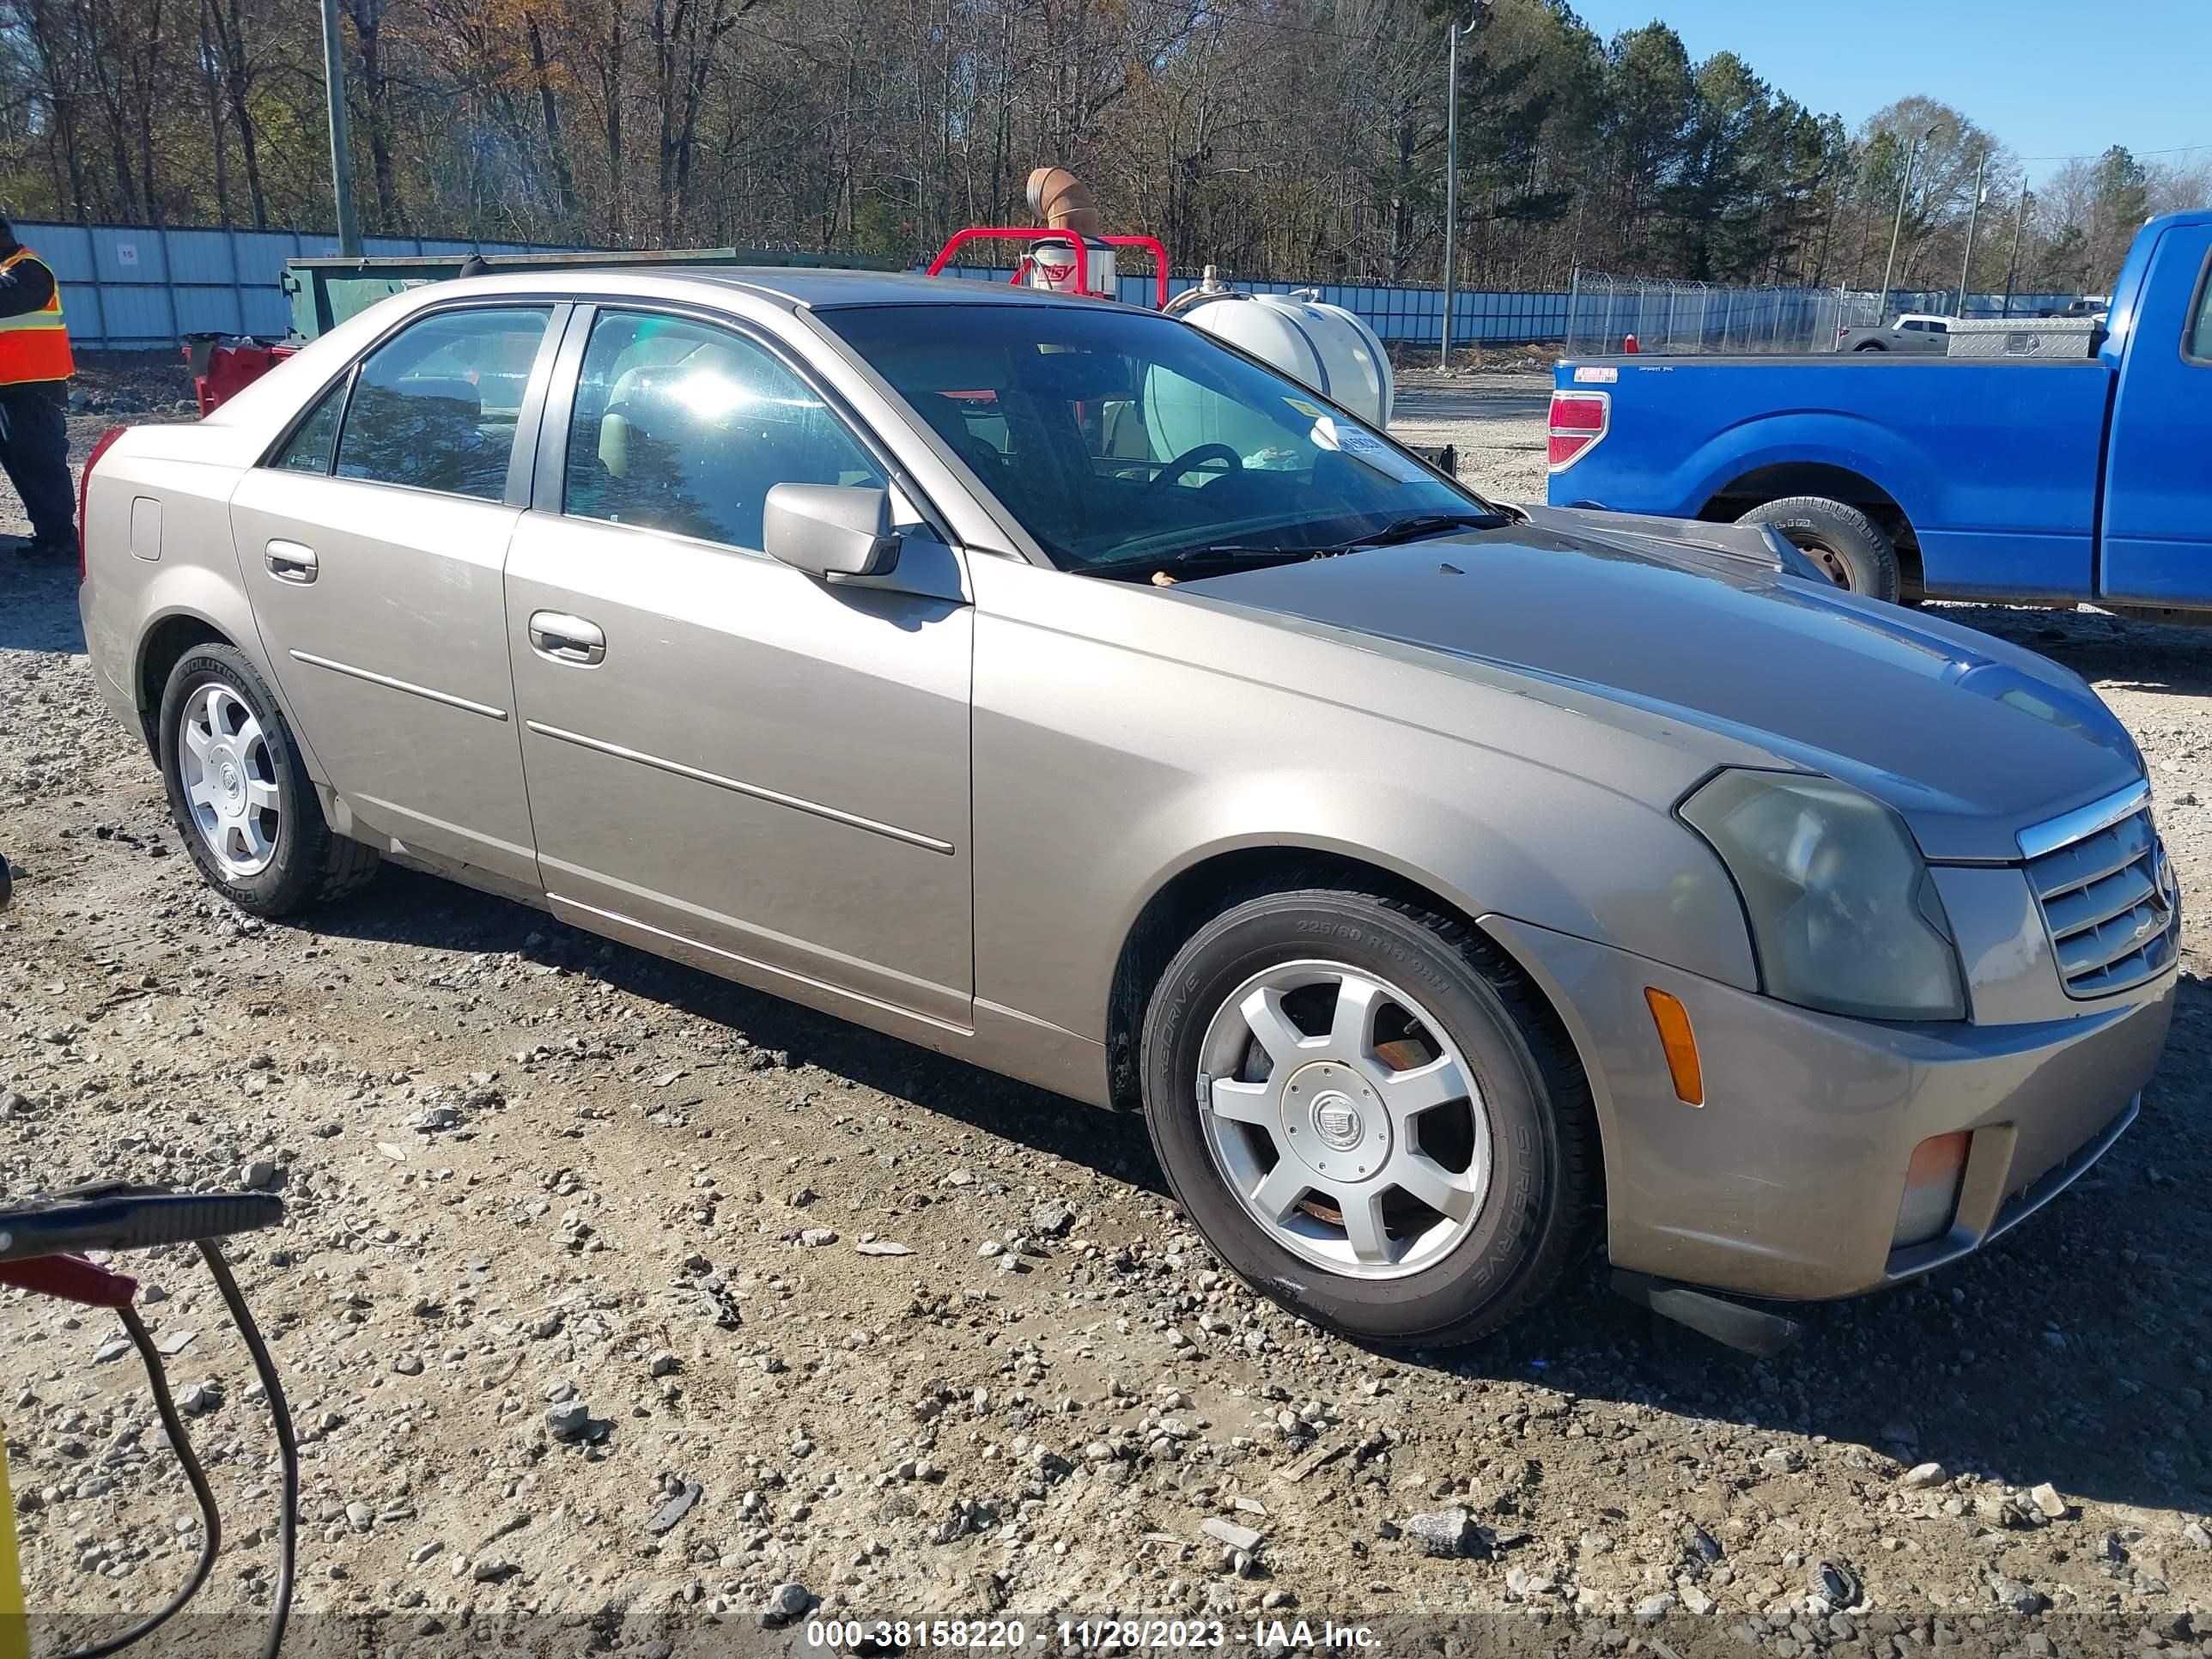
x=41 y=1247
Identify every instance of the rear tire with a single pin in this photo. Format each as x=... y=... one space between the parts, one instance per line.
x=1842 y=540
x=240 y=792
x=1510 y=1158
x=1870 y=345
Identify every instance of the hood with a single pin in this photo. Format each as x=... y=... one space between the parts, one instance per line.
x=1969 y=738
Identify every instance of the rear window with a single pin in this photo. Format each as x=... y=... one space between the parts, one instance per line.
x=2197 y=347
x=436 y=406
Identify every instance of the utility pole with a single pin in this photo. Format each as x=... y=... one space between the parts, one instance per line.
x=1897 y=230
x=2019 y=222
x=1452 y=33
x=341 y=153
x=1973 y=219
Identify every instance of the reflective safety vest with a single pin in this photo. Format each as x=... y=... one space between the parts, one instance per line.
x=34 y=346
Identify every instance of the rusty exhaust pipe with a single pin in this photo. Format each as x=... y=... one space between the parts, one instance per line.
x=1063 y=201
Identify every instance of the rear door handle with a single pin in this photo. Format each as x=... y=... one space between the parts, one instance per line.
x=291 y=562
x=560 y=637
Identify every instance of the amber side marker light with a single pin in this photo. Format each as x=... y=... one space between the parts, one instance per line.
x=1680 y=1046
x=1931 y=1188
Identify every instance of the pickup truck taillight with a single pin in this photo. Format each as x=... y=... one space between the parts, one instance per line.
x=84 y=492
x=1579 y=419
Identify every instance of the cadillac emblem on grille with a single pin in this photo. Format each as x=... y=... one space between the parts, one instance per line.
x=2110 y=903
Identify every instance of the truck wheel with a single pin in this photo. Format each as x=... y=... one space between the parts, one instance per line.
x=1370 y=1114
x=240 y=792
x=1842 y=540
x=1870 y=345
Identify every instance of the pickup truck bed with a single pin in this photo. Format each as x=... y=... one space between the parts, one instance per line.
x=2032 y=480
x=1987 y=469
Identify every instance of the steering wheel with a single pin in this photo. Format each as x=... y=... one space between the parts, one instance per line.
x=1188 y=460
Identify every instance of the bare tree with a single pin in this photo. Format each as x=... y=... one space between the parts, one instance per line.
x=1301 y=138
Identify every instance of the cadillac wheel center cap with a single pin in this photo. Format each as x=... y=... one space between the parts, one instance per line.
x=1336 y=1120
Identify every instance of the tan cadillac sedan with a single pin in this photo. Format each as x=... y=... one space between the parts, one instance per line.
x=1450 y=885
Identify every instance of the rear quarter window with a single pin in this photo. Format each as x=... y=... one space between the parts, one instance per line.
x=2197 y=344
x=308 y=449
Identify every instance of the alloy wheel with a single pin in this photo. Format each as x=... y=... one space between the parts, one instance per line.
x=230 y=780
x=1345 y=1119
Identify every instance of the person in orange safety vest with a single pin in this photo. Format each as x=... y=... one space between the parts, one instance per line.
x=35 y=365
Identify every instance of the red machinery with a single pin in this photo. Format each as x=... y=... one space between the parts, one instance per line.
x=1070 y=255
x=221 y=369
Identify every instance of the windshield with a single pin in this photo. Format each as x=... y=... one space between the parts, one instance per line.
x=1123 y=438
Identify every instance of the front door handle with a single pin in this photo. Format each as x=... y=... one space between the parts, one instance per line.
x=560 y=637
x=290 y=561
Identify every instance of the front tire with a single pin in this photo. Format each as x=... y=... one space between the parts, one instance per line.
x=239 y=794
x=1370 y=1116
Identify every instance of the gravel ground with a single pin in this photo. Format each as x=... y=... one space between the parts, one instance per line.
x=612 y=1293
x=1494 y=415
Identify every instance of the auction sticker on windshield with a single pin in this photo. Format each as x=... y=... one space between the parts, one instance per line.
x=1366 y=447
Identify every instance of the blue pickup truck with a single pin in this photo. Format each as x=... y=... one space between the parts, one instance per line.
x=2034 y=481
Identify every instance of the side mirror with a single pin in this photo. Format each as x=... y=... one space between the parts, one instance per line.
x=830 y=529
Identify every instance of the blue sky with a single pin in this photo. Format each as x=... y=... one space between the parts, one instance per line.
x=2048 y=77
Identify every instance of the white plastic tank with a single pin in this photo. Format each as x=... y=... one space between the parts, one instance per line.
x=1322 y=346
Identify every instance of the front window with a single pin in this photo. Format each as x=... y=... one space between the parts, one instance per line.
x=1122 y=439
x=682 y=426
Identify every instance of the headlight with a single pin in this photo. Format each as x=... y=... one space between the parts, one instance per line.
x=1843 y=915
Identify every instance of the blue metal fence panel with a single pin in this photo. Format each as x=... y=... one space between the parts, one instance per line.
x=138 y=288
x=134 y=287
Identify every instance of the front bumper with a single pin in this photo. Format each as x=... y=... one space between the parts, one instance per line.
x=1786 y=1182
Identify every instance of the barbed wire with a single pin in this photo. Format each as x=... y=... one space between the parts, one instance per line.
x=2178 y=149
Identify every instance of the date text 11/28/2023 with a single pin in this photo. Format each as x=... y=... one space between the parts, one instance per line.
x=874 y=1636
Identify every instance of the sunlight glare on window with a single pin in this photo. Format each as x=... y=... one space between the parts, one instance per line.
x=710 y=395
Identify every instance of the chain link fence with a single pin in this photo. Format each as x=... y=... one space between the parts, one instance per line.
x=1686 y=319
x=1681 y=318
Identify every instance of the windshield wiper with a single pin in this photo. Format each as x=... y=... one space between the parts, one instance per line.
x=1225 y=553
x=1425 y=524
x=1398 y=531
x=1393 y=534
